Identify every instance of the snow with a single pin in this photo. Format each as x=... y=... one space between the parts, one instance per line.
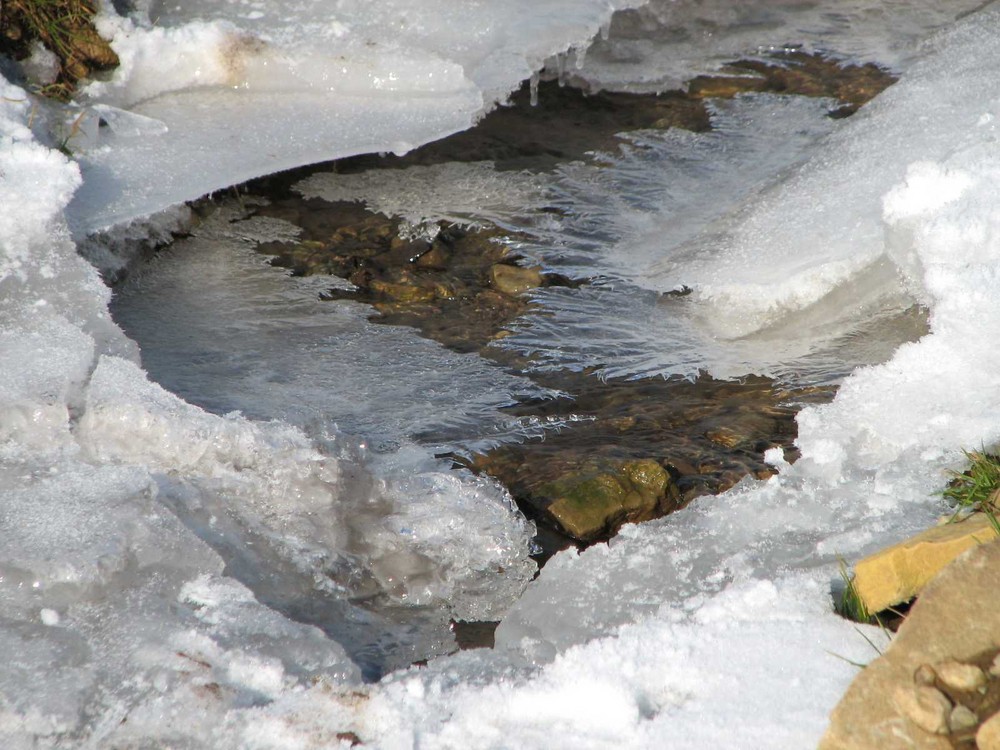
x=172 y=577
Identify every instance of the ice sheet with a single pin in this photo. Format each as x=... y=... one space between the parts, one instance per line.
x=200 y=84
x=665 y=43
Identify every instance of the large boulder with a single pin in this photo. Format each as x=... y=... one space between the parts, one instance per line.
x=938 y=682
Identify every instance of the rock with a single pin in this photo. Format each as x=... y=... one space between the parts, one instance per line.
x=995 y=666
x=956 y=618
x=961 y=718
x=514 y=279
x=586 y=506
x=725 y=437
x=406 y=293
x=988 y=736
x=925 y=706
x=925 y=675
x=898 y=573
x=959 y=676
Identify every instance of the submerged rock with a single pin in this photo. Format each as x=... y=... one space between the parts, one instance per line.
x=632 y=450
x=798 y=73
x=597 y=499
x=462 y=288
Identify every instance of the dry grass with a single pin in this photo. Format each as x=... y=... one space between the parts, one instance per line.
x=66 y=28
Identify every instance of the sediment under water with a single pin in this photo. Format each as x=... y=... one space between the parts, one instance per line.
x=534 y=335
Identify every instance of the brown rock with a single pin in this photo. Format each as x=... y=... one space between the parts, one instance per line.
x=988 y=736
x=962 y=718
x=725 y=437
x=898 y=573
x=587 y=505
x=407 y=293
x=957 y=617
x=959 y=676
x=514 y=279
x=925 y=706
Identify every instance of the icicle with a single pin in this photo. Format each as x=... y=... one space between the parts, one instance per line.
x=580 y=57
x=561 y=68
x=533 y=87
x=606 y=30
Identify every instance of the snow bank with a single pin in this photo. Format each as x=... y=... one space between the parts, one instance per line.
x=141 y=535
x=761 y=270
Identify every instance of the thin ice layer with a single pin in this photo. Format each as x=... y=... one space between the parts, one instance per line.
x=201 y=83
x=664 y=43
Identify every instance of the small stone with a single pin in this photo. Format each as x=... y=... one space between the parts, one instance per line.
x=995 y=666
x=434 y=259
x=514 y=279
x=988 y=736
x=725 y=437
x=588 y=503
x=925 y=706
x=962 y=717
x=405 y=293
x=925 y=675
x=959 y=676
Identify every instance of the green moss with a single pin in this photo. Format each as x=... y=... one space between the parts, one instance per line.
x=596 y=500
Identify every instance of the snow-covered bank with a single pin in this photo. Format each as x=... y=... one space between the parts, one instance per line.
x=133 y=524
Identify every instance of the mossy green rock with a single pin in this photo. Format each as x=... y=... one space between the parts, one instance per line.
x=595 y=501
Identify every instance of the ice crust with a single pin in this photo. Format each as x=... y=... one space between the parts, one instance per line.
x=127 y=622
x=206 y=79
x=664 y=43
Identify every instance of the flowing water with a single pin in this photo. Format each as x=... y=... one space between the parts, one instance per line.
x=223 y=328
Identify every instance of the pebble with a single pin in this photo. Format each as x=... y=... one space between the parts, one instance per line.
x=962 y=717
x=925 y=675
x=959 y=676
x=995 y=666
x=925 y=706
x=988 y=736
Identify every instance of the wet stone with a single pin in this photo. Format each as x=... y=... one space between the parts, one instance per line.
x=463 y=288
x=631 y=450
x=618 y=451
x=798 y=73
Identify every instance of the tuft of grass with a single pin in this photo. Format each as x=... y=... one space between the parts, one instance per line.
x=974 y=487
x=64 y=27
x=850 y=604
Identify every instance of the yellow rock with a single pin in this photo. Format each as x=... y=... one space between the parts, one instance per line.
x=988 y=736
x=896 y=574
x=956 y=618
x=514 y=279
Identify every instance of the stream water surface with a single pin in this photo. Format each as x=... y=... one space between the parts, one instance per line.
x=224 y=328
